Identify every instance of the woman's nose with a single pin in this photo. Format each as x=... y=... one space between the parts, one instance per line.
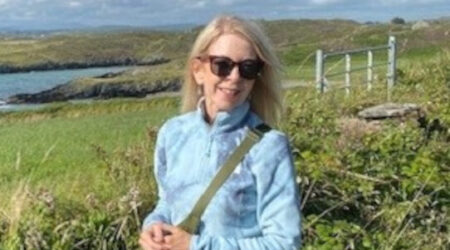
x=234 y=74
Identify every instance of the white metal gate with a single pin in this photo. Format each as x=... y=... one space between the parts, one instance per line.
x=321 y=76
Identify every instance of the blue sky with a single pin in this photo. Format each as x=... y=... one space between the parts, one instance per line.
x=55 y=14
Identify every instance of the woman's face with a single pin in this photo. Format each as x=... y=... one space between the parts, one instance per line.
x=223 y=93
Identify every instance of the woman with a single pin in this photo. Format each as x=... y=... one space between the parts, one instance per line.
x=231 y=85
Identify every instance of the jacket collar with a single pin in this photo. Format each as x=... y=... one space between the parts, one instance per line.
x=225 y=120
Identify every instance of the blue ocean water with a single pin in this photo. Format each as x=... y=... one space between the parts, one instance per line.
x=33 y=82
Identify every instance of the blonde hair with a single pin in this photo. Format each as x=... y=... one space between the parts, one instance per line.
x=265 y=97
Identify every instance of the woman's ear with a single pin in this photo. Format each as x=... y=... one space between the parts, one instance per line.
x=198 y=71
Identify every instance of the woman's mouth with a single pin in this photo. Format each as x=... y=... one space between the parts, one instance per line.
x=229 y=92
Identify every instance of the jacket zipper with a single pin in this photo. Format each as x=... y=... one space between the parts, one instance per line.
x=209 y=145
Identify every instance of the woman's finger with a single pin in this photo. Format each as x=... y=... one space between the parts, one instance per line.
x=145 y=236
x=169 y=228
x=168 y=239
x=144 y=244
x=147 y=241
x=157 y=232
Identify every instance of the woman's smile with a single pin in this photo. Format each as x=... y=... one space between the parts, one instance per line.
x=229 y=93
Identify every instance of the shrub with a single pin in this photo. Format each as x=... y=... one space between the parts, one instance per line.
x=398 y=20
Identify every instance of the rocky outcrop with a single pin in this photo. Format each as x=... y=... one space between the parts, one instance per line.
x=390 y=110
x=420 y=25
x=71 y=91
x=4 y=68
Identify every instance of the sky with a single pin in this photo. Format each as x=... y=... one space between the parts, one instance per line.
x=69 y=14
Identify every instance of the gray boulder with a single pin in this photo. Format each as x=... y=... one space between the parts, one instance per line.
x=420 y=25
x=390 y=110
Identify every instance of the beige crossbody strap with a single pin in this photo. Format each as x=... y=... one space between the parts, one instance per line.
x=190 y=224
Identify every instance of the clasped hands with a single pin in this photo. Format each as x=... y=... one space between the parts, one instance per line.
x=161 y=236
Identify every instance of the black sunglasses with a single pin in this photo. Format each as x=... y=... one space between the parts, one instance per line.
x=222 y=66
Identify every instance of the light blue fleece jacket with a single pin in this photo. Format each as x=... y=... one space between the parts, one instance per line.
x=256 y=208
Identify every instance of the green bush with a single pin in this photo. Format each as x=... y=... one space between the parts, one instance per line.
x=374 y=185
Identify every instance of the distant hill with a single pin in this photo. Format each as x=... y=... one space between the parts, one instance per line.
x=294 y=40
x=15 y=31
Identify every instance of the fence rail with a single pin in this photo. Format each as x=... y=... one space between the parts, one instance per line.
x=321 y=57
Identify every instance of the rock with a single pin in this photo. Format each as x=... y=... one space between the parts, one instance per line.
x=420 y=25
x=71 y=91
x=109 y=75
x=390 y=110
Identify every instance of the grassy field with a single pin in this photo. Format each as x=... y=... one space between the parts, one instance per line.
x=57 y=148
x=93 y=47
x=79 y=176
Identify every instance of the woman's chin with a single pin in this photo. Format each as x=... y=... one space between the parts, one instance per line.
x=228 y=106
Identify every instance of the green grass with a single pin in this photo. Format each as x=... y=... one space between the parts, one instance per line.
x=94 y=47
x=56 y=148
x=140 y=76
x=304 y=70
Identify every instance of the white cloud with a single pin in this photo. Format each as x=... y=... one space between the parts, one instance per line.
x=402 y=2
x=35 y=2
x=161 y=12
x=383 y=2
x=228 y=2
x=293 y=8
x=325 y=2
x=4 y=2
x=74 y=4
x=199 y=4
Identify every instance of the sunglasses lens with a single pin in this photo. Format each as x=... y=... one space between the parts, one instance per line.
x=249 y=69
x=221 y=66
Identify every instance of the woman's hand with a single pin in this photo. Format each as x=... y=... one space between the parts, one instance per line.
x=177 y=238
x=153 y=238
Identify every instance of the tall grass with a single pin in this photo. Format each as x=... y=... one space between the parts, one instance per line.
x=374 y=185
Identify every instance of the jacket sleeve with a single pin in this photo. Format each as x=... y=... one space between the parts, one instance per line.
x=277 y=206
x=161 y=213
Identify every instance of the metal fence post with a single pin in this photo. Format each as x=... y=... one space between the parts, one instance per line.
x=320 y=83
x=392 y=62
x=348 y=69
x=369 y=69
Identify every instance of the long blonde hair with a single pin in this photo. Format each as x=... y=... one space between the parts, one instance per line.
x=265 y=98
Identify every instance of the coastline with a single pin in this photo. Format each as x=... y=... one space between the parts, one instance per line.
x=47 y=66
x=70 y=91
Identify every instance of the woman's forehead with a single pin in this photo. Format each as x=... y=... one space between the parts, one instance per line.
x=232 y=45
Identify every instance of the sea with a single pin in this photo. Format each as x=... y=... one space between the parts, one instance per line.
x=37 y=81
